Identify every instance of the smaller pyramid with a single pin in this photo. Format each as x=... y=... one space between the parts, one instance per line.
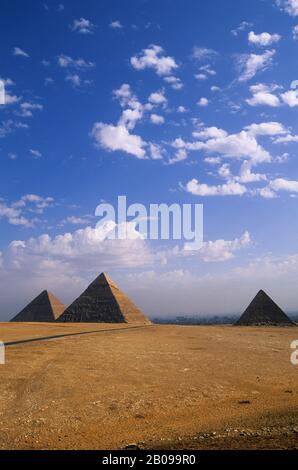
x=44 y=308
x=263 y=311
x=103 y=302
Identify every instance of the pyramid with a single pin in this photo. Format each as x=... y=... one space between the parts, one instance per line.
x=263 y=311
x=103 y=302
x=44 y=308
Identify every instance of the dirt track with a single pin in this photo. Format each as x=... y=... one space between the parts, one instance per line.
x=164 y=386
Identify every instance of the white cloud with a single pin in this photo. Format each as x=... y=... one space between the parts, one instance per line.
x=9 y=126
x=153 y=58
x=158 y=98
x=203 y=53
x=250 y=64
x=83 y=26
x=263 y=96
x=266 y=128
x=27 y=108
x=247 y=176
x=156 y=119
x=12 y=215
x=242 y=27
x=156 y=151
x=295 y=32
x=181 y=109
x=290 y=98
x=263 y=39
x=118 y=138
x=203 y=102
x=116 y=25
x=175 y=82
x=281 y=184
x=215 y=89
x=67 y=62
x=223 y=250
x=76 y=81
x=210 y=133
x=36 y=153
x=290 y=6
x=74 y=220
x=179 y=156
x=227 y=189
x=241 y=145
x=201 y=76
x=17 y=51
x=286 y=139
x=83 y=249
x=32 y=203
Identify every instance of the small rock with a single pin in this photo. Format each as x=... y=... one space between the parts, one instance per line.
x=132 y=447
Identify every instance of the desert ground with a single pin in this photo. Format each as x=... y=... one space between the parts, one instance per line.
x=154 y=387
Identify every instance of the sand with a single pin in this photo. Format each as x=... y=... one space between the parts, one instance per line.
x=165 y=387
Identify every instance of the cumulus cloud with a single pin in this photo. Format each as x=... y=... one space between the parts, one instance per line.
x=153 y=58
x=158 y=98
x=116 y=24
x=224 y=250
x=295 y=32
x=290 y=6
x=266 y=128
x=290 y=98
x=203 y=102
x=157 y=119
x=250 y=64
x=118 y=138
x=281 y=184
x=83 y=26
x=17 y=213
x=217 y=141
x=174 y=82
x=262 y=95
x=263 y=39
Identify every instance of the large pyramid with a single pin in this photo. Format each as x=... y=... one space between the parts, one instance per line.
x=44 y=308
x=103 y=302
x=263 y=311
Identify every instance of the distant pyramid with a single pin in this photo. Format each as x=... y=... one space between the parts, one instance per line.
x=103 y=302
x=263 y=311
x=44 y=308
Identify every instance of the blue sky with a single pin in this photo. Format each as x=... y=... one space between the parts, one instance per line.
x=162 y=101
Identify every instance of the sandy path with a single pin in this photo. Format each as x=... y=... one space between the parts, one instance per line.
x=163 y=384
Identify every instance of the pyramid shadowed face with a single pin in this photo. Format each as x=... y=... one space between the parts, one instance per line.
x=103 y=302
x=263 y=311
